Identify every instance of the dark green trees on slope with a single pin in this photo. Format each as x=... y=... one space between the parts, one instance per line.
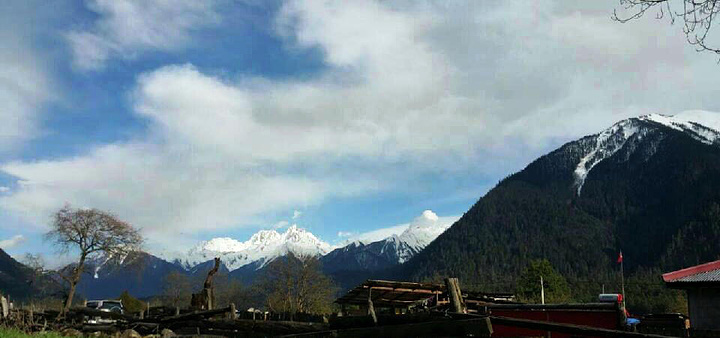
x=657 y=198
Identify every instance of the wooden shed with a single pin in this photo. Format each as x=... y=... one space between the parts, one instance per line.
x=702 y=284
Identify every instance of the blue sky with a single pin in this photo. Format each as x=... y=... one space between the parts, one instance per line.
x=193 y=120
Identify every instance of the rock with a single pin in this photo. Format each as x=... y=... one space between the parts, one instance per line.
x=71 y=333
x=130 y=333
x=166 y=333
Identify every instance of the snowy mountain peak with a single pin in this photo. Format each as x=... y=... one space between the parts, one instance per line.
x=700 y=125
x=223 y=244
x=265 y=236
x=261 y=248
x=423 y=230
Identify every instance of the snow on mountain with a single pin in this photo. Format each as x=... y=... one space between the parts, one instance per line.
x=262 y=247
x=702 y=126
x=423 y=230
x=606 y=144
x=400 y=242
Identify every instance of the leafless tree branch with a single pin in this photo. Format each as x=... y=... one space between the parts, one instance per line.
x=697 y=16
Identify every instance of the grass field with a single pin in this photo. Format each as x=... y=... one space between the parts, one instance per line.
x=9 y=333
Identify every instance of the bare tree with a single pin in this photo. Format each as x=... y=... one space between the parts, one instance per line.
x=230 y=290
x=90 y=232
x=35 y=262
x=297 y=285
x=697 y=16
x=177 y=289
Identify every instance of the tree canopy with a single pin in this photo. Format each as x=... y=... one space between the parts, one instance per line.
x=528 y=286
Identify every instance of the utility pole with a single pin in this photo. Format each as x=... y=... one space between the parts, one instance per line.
x=542 y=291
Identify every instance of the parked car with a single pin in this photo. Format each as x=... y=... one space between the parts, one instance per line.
x=105 y=305
x=668 y=324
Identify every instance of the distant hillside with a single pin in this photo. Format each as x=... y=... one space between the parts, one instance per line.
x=141 y=274
x=15 y=278
x=648 y=186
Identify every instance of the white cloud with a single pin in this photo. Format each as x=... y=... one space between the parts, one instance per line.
x=125 y=28
x=345 y=233
x=10 y=243
x=281 y=224
x=158 y=190
x=408 y=89
x=378 y=234
x=25 y=85
x=296 y=214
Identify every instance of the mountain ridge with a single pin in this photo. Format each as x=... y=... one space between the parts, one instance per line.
x=142 y=273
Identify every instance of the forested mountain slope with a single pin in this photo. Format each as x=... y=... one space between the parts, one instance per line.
x=648 y=186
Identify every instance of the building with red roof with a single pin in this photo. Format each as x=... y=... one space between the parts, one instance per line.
x=702 y=284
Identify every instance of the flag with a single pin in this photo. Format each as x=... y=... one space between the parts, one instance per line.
x=620 y=258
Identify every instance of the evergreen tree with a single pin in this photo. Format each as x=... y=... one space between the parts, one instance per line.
x=528 y=286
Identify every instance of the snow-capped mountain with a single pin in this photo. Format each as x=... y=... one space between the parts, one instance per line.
x=595 y=148
x=261 y=248
x=366 y=255
x=423 y=230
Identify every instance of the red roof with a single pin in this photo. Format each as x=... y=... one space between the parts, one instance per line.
x=687 y=273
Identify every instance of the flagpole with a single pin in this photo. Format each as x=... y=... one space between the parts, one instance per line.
x=622 y=278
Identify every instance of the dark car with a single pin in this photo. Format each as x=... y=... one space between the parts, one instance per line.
x=669 y=324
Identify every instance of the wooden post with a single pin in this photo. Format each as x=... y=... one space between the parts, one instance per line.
x=232 y=314
x=4 y=307
x=371 y=309
x=454 y=295
x=177 y=310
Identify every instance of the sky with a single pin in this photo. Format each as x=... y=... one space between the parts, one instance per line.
x=198 y=119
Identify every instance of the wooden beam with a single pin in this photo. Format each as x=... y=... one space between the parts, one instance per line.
x=196 y=315
x=403 y=289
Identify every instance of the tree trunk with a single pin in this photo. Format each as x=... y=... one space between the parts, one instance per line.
x=71 y=293
x=75 y=279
